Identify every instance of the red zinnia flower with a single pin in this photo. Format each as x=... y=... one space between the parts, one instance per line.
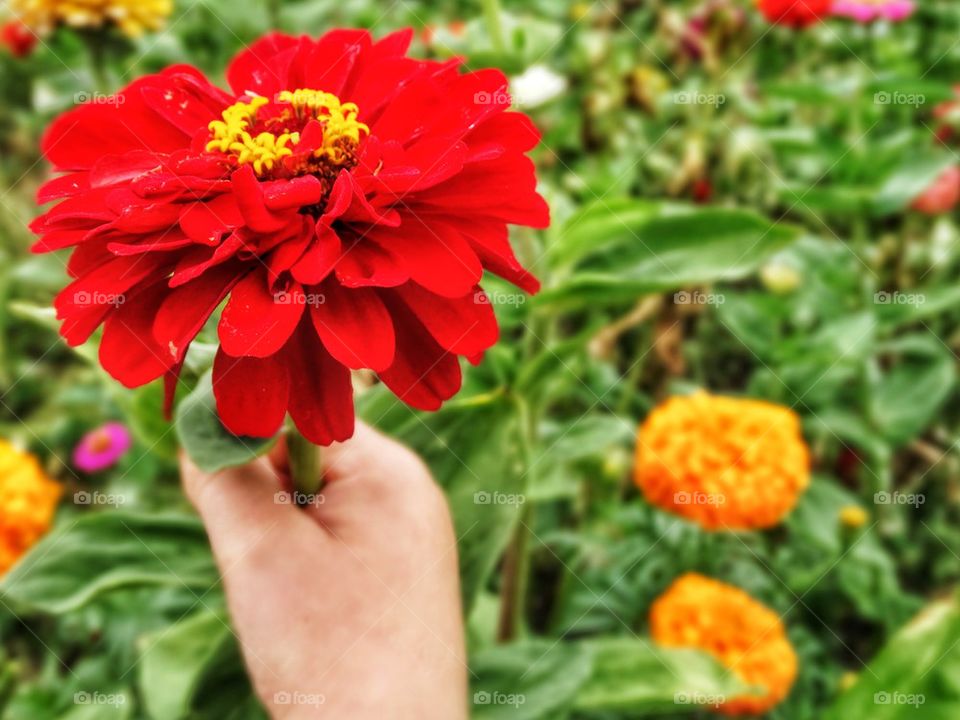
x=943 y=194
x=17 y=38
x=345 y=197
x=794 y=13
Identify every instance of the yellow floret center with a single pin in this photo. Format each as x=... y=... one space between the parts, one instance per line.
x=264 y=142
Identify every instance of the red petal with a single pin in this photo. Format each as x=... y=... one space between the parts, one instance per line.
x=128 y=351
x=466 y=325
x=423 y=374
x=248 y=193
x=434 y=254
x=355 y=326
x=207 y=222
x=264 y=66
x=365 y=264
x=256 y=323
x=319 y=259
x=322 y=405
x=251 y=393
x=185 y=309
x=84 y=303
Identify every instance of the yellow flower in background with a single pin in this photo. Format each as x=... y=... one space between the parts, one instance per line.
x=132 y=17
x=722 y=462
x=853 y=516
x=743 y=635
x=28 y=500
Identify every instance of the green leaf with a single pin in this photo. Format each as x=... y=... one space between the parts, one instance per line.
x=103 y=551
x=527 y=681
x=633 y=676
x=176 y=659
x=115 y=705
x=914 y=675
x=599 y=226
x=667 y=252
x=145 y=412
x=208 y=443
x=904 y=400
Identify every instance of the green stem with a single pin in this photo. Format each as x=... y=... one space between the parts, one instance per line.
x=493 y=16
x=516 y=570
x=306 y=470
x=98 y=61
x=516 y=565
x=273 y=13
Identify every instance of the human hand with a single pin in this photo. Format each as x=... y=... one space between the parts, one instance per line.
x=349 y=607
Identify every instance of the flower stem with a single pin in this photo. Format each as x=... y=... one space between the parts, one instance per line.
x=306 y=470
x=516 y=563
x=492 y=14
x=273 y=12
x=98 y=62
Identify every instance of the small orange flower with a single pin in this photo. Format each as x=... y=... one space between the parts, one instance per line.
x=28 y=499
x=722 y=462
x=743 y=635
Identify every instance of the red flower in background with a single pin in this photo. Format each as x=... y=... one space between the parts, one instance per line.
x=794 y=13
x=344 y=197
x=943 y=194
x=17 y=38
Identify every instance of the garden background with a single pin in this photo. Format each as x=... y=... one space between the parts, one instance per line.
x=734 y=209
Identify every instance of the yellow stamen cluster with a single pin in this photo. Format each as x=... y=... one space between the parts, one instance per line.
x=725 y=463
x=264 y=150
x=740 y=633
x=132 y=17
x=28 y=499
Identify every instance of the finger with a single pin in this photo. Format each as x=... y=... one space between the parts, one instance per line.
x=241 y=507
x=374 y=480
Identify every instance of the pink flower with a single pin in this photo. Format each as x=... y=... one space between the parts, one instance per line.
x=866 y=11
x=101 y=448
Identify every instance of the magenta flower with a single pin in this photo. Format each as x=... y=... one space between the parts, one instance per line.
x=101 y=448
x=866 y=11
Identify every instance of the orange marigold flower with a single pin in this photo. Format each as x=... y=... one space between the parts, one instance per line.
x=742 y=634
x=28 y=499
x=722 y=462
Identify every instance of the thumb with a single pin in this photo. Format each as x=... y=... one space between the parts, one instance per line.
x=241 y=507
